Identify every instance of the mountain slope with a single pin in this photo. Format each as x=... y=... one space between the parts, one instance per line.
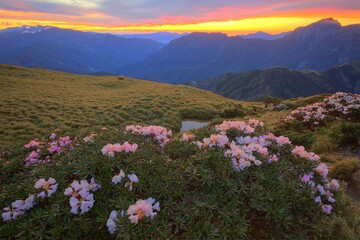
x=36 y=101
x=71 y=51
x=200 y=56
x=284 y=83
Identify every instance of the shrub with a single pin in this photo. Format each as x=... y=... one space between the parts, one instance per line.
x=344 y=168
x=297 y=132
x=347 y=134
x=338 y=106
x=209 y=187
x=232 y=112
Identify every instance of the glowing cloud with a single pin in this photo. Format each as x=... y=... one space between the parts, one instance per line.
x=229 y=16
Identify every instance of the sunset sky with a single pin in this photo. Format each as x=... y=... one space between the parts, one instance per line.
x=228 y=16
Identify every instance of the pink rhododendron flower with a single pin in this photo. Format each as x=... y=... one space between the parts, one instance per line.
x=117 y=178
x=141 y=209
x=34 y=144
x=306 y=177
x=32 y=158
x=29 y=202
x=81 y=198
x=129 y=147
x=334 y=184
x=84 y=202
x=238 y=125
x=255 y=123
x=281 y=141
x=110 y=149
x=216 y=140
x=273 y=158
x=326 y=208
x=133 y=179
x=50 y=186
x=18 y=208
x=52 y=136
x=89 y=138
x=322 y=170
x=159 y=133
x=187 y=137
x=320 y=189
x=111 y=222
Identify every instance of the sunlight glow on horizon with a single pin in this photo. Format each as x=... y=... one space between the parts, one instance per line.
x=271 y=24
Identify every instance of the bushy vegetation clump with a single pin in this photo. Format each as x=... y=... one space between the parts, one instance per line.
x=344 y=168
x=338 y=106
x=234 y=180
x=326 y=126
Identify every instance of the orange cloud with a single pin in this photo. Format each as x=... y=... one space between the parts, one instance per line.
x=92 y=20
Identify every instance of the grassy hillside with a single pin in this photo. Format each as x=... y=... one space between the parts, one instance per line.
x=284 y=83
x=36 y=101
x=230 y=179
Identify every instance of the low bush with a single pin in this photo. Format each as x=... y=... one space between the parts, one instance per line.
x=233 y=181
x=344 y=168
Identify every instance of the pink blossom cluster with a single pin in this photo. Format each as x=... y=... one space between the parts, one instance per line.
x=110 y=149
x=53 y=147
x=132 y=179
x=89 y=138
x=339 y=105
x=18 y=208
x=255 y=123
x=219 y=140
x=139 y=210
x=58 y=146
x=49 y=187
x=253 y=149
x=321 y=187
x=34 y=144
x=161 y=134
x=81 y=199
x=301 y=152
x=187 y=137
x=111 y=222
x=241 y=158
x=33 y=157
x=238 y=125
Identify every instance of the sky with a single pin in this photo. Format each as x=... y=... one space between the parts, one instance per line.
x=135 y=16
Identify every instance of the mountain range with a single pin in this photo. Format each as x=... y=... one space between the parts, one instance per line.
x=264 y=35
x=70 y=50
x=200 y=56
x=284 y=83
x=187 y=57
x=161 y=37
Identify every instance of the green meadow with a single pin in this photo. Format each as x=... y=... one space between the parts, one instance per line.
x=35 y=101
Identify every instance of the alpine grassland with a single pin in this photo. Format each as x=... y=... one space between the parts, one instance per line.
x=90 y=157
x=36 y=101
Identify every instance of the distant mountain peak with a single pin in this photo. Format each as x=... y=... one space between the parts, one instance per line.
x=321 y=29
x=327 y=21
x=264 y=35
x=27 y=29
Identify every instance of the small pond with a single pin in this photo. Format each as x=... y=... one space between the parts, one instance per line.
x=189 y=124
